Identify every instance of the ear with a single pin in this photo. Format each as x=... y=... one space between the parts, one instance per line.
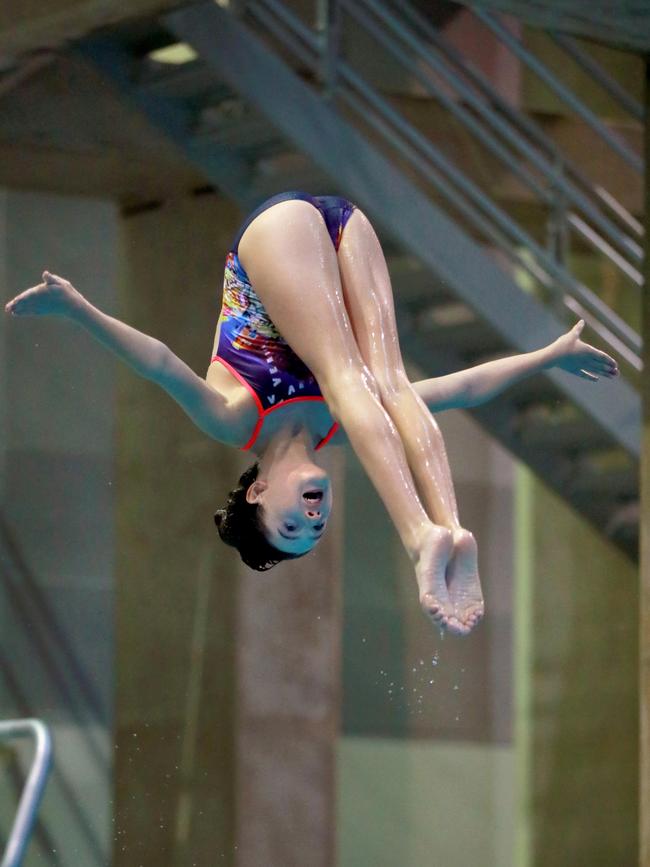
x=254 y=491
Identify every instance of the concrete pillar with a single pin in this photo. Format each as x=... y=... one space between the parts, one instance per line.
x=288 y=700
x=177 y=583
x=644 y=623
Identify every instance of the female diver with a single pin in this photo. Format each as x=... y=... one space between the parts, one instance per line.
x=307 y=327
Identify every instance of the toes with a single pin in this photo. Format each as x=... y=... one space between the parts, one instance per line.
x=429 y=605
x=463 y=624
x=455 y=626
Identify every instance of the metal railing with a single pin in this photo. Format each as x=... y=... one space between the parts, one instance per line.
x=59 y=666
x=34 y=787
x=573 y=203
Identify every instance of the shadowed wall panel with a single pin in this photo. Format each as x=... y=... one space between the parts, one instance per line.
x=176 y=582
x=644 y=647
x=56 y=528
x=288 y=670
x=426 y=772
x=584 y=751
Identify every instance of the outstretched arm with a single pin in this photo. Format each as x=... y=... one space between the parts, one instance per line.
x=476 y=385
x=147 y=356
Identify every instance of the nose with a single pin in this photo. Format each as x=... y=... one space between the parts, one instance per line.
x=312 y=513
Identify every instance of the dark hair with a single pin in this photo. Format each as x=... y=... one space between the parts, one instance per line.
x=240 y=525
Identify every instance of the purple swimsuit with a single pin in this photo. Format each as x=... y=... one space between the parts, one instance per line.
x=250 y=345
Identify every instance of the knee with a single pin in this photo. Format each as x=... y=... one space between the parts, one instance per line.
x=353 y=381
x=393 y=384
x=365 y=379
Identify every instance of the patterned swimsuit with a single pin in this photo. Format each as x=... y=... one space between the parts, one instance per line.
x=250 y=345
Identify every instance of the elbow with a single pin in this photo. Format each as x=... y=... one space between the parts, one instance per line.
x=157 y=365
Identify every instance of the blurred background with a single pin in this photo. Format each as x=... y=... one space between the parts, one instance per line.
x=203 y=714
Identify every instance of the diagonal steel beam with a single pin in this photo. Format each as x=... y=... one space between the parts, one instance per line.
x=241 y=59
x=219 y=164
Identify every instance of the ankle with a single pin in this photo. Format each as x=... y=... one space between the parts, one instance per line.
x=463 y=538
x=427 y=535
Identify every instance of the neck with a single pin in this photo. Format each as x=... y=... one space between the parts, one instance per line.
x=292 y=440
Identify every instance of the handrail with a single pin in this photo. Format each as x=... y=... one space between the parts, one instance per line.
x=490 y=220
x=556 y=179
x=614 y=330
x=455 y=108
x=519 y=119
x=49 y=640
x=34 y=787
x=563 y=92
x=598 y=74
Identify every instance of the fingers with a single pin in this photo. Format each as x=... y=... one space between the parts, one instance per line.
x=577 y=328
x=602 y=363
x=586 y=375
x=18 y=304
x=599 y=360
x=597 y=365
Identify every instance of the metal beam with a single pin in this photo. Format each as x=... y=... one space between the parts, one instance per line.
x=219 y=164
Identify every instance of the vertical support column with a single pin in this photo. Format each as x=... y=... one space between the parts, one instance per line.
x=644 y=649
x=288 y=680
x=176 y=582
x=5 y=296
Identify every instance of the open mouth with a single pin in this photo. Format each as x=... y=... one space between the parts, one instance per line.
x=314 y=496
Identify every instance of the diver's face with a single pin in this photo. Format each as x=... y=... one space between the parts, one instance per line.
x=295 y=508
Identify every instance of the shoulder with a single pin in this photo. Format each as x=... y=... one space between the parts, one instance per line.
x=223 y=413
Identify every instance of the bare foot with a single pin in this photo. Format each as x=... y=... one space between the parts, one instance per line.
x=430 y=568
x=463 y=583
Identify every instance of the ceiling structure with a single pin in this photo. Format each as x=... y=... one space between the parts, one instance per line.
x=46 y=24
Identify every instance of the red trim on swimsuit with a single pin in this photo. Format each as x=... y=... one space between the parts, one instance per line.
x=262 y=413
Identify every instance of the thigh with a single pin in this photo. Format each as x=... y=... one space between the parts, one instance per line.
x=368 y=298
x=293 y=267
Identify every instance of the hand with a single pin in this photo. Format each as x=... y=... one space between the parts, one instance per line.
x=54 y=297
x=582 y=359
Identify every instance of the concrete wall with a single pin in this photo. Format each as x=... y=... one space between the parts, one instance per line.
x=644 y=582
x=57 y=533
x=577 y=652
x=426 y=757
x=177 y=584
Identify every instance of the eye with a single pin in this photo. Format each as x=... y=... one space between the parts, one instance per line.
x=290 y=527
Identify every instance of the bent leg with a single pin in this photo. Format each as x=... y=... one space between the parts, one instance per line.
x=289 y=258
x=369 y=300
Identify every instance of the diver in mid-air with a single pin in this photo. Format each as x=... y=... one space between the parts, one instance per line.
x=306 y=355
